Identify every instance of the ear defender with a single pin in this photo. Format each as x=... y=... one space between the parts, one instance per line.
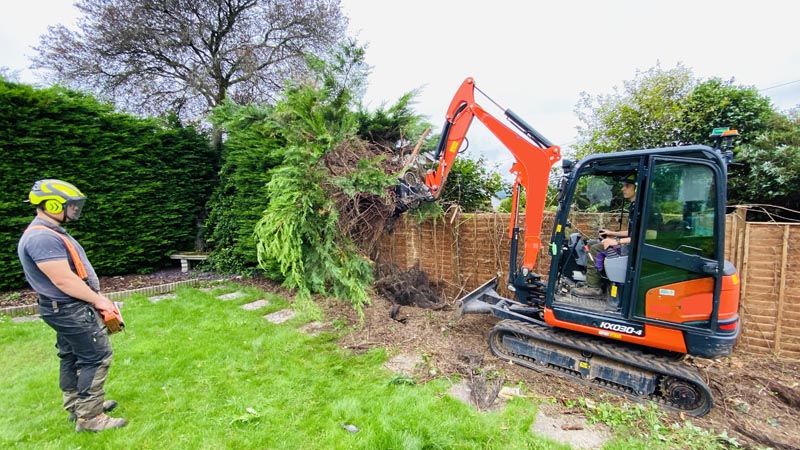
x=53 y=206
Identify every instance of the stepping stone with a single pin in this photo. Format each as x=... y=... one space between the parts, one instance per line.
x=313 y=328
x=280 y=316
x=231 y=296
x=255 y=305
x=403 y=363
x=30 y=318
x=569 y=429
x=158 y=298
x=460 y=391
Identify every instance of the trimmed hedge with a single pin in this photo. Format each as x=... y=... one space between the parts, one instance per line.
x=146 y=180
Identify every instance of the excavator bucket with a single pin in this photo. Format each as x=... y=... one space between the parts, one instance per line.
x=479 y=301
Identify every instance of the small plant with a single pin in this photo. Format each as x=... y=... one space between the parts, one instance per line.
x=339 y=324
x=12 y=296
x=402 y=380
x=638 y=419
x=251 y=416
x=427 y=364
x=648 y=422
x=690 y=436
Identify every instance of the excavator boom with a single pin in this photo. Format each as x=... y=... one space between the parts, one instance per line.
x=534 y=156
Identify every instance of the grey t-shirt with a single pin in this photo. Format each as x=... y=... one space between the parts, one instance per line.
x=38 y=246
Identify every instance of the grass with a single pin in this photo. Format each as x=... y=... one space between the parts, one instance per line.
x=195 y=372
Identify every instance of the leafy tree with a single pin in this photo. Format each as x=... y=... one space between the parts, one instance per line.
x=715 y=103
x=392 y=126
x=471 y=185
x=669 y=107
x=665 y=108
x=647 y=113
x=769 y=169
x=188 y=55
x=298 y=234
x=254 y=146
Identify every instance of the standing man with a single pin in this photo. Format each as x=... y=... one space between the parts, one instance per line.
x=70 y=302
x=609 y=238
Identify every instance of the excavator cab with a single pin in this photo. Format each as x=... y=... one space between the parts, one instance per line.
x=672 y=277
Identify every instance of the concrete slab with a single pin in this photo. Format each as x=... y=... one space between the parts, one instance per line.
x=280 y=316
x=252 y=306
x=30 y=318
x=313 y=328
x=403 y=363
x=159 y=298
x=231 y=296
x=569 y=429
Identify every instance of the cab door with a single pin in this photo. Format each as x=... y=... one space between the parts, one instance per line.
x=681 y=252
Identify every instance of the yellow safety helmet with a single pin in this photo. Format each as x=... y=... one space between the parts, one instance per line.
x=53 y=195
x=628 y=179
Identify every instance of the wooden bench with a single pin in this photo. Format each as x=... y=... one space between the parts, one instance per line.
x=185 y=257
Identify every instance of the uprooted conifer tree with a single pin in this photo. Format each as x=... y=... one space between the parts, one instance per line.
x=314 y=177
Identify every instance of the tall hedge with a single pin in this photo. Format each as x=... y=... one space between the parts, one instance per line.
x=146 y=180
x=253 y=147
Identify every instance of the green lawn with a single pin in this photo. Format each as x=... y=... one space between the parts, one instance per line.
x=196 y=372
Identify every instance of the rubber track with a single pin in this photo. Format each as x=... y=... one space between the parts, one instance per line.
x=627 y=356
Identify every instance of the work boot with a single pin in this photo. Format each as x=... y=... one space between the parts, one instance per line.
x=108 y=405
x=99 y=423
x=588 y=291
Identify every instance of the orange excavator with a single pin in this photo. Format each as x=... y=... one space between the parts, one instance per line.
x=668 y=293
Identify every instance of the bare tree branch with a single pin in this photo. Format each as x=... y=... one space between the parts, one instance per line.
x=150 y=56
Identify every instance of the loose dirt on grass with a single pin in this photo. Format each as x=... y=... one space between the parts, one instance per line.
x=757 y=398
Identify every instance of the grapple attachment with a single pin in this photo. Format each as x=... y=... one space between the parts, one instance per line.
x=410 y=192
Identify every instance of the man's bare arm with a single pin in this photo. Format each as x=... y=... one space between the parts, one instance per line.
x=59 y=272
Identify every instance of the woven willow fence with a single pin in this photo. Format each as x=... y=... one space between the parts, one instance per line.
x=464 y=251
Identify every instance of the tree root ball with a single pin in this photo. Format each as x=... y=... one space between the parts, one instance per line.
x=410 y=287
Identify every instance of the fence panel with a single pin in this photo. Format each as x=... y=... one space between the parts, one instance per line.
x=463 y=251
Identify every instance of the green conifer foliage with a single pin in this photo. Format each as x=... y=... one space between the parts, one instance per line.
x=146 y=180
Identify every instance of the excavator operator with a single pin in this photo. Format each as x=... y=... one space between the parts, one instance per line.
x=609 y=239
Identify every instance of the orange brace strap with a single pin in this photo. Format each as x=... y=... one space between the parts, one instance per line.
x=73 y=253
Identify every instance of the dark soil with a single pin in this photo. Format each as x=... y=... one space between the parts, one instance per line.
x=757 y=398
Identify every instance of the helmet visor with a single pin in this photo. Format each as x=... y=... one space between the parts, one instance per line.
x=73 y=209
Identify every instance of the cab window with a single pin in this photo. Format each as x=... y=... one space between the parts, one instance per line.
x=683 y=209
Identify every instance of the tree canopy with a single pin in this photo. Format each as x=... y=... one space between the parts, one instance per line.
x=671 y=107
x=769 y=169
x=471 y=185
x=187 y=56
x=646 y=113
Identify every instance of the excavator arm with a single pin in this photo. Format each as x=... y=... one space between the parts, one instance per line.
x=533 y=154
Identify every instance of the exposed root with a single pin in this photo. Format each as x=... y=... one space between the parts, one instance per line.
x=410 y=287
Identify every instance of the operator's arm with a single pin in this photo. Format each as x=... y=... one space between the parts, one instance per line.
x=614 y=238
x=619 y=234
x=59 y=272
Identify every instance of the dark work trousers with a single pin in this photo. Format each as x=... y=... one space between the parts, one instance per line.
x=85 y=352
x=592 y=274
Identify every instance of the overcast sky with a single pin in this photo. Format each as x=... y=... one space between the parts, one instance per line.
x=534 y=57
